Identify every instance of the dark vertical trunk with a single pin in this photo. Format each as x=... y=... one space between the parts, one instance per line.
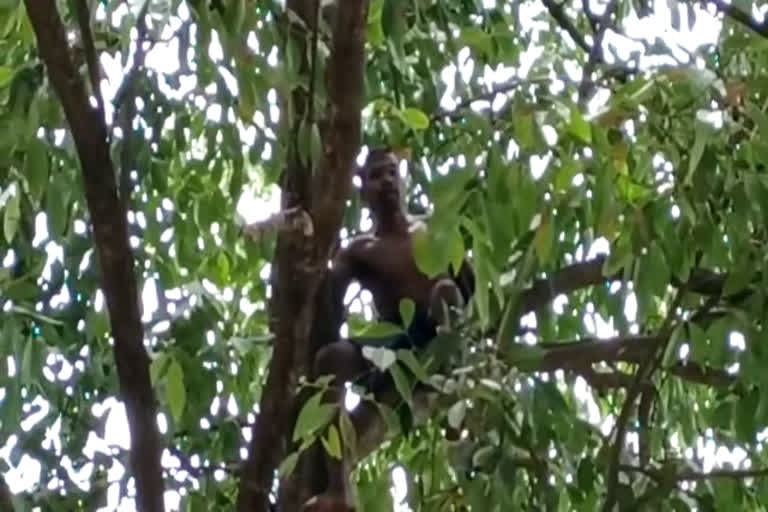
x=110 y=233
x=301 y=261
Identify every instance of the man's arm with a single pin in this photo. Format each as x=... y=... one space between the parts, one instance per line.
x=340 y=276
x=330 y=311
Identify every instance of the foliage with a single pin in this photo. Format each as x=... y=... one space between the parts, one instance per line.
x=664 y=169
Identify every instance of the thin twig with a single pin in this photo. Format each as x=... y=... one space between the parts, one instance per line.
x=125 y=108
x=513 y=84
x=558 y=13
x=138 y=60
x=92 y=60
x=596 y=52
x=644 y=373
x=736 y=14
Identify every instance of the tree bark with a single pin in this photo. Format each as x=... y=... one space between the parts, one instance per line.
x=6 y=502
x=110 y=233
x=302 y=256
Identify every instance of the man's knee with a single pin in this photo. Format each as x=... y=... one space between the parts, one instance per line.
x=341 y=359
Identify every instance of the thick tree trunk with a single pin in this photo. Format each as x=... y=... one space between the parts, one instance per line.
x=110 y=233
x=301 y=258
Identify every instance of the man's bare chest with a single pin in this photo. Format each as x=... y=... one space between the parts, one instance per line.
x=388 y=265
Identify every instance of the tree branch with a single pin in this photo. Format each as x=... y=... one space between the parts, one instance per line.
x=125 y=108
x=645 y=371
x=340 y=147
x=600 y=25
x=92 y=60
x=558 y=13
x=589 y=273
x=511 y=85
x=578 y=357
x=110 y=232
x=723 y=473
x=301 y=259
x=688 y=475
x=746 y=19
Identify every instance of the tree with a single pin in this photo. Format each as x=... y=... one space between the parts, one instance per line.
x=609 y=180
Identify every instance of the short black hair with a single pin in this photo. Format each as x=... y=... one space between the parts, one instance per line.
x=376 y=153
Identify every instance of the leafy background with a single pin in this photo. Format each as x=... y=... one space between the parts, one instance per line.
x=540 y=135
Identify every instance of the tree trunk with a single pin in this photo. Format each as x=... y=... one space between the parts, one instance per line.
x=110 y=233
x=301 y=257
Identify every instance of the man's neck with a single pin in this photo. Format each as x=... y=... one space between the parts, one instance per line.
x=393 y=224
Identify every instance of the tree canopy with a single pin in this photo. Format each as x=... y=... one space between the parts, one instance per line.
x=174 y=176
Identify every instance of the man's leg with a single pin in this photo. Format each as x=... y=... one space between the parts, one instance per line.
x=344 y=360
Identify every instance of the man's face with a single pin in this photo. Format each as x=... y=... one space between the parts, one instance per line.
x=381 y=182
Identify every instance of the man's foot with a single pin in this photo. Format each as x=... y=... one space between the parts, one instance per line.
x=327 y=503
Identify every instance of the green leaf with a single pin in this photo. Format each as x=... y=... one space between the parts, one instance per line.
x=415 y=119
x=332 y=443
x=12 y=215
x=6 y=74
x=401 y=383
x=703 y=134
x=379 y=330
x=375 y=31
x=409 y=359
x=36 y=170
x=759 y=117
x=544 y=239
x=313 y=416
x=456 y=414
x=457 y=250
x=157 y=367
x=429 y=260
x=57 y=201
x=523 y=128
x=288 y=465
x=390 y=417
x=579 y=127
x=407 y=308
x=381 y=357
x=739 y=278
x=176 y=393
x=476 y=38
x=348 y=432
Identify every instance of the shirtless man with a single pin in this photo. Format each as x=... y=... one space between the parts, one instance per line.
x=383 y=263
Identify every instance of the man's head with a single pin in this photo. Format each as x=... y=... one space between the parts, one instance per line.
x=380 y=180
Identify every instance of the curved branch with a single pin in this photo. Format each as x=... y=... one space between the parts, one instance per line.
x=110 y=232
x=736 y=14
x=558 y=13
